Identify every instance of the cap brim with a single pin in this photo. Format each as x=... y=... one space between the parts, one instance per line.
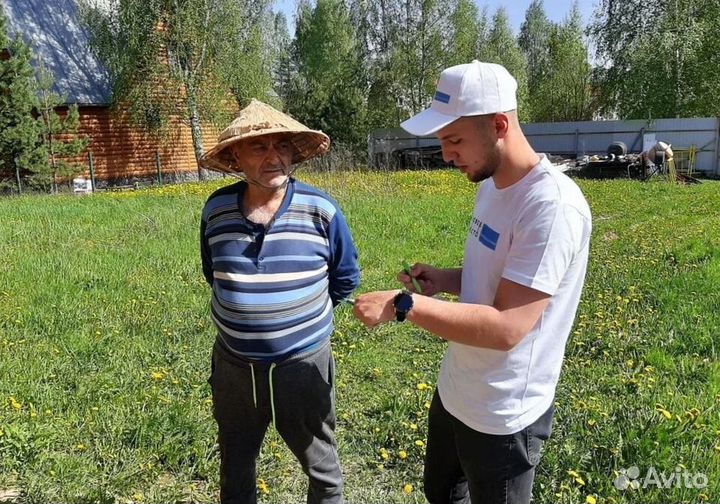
x=427 y=122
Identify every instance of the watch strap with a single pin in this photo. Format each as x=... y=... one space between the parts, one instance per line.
x=401 y=315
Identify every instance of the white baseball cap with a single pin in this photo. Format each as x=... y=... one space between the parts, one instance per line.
x=471 y=89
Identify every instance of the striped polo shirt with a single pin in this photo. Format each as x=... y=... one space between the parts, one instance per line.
x=273 y=290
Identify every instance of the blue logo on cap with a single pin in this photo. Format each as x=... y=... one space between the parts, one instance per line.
x=442 y=97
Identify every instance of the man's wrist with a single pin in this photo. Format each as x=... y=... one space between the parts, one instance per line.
x=450 y=280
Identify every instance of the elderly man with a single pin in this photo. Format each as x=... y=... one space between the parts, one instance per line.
x=519 y=285
x=278 y=256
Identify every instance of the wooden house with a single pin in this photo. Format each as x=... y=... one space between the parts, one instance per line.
x=120 y=151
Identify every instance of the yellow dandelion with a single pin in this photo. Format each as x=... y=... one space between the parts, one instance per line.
x=157 y=375
x=262 y=486
x=419 y=443
x=138 y=496
x=422 y=386
x=408 y=488
x=413 y=426
x=590 y=499
x=14 y=403
x=384 y=455
x=403 y=454
x=665 y=413
x=80 y=447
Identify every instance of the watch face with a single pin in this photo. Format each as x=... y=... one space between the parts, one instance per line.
x=404 y=302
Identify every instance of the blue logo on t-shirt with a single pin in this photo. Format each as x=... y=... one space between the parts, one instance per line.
x=489 y=237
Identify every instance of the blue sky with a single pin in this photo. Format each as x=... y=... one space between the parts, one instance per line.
x=556 y=10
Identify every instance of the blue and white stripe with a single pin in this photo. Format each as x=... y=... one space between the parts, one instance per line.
x=273 y=291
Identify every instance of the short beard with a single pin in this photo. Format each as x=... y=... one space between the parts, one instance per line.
x=492 y=161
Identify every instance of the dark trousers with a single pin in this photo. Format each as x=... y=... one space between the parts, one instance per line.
x=304 y=401
x=463 y=465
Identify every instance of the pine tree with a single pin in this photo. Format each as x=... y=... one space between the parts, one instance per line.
x=328 y=90
x=21 y=148
x=59 y=134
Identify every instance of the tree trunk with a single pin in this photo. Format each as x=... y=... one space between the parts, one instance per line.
x=53 y=166
x=196 y=130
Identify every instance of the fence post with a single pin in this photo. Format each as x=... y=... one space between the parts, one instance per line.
x=17 y=176
x=92 y=170
x=159 y=167
x=577 y=141
x=717 y=147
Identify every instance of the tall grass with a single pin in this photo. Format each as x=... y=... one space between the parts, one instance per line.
x=105 y=343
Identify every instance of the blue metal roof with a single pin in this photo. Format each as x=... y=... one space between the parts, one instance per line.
x=54 y=31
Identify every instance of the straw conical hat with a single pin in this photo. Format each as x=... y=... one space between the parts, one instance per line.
x=258 y=119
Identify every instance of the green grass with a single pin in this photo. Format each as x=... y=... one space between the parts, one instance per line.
x=105 y=345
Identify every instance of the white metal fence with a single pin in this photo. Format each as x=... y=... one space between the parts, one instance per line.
x=693 y=139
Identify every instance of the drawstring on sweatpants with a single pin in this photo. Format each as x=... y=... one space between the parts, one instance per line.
x=252 y=372
x=272 y=399
x=272 y=395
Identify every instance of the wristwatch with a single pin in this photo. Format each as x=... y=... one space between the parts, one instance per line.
x=403 y=303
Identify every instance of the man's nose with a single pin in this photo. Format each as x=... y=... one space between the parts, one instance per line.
x=272 y=154
x=448 y=155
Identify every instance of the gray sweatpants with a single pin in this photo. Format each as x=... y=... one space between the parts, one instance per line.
x=303 y=398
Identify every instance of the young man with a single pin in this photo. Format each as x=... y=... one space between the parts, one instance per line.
x=278 y=256
x=524 y=266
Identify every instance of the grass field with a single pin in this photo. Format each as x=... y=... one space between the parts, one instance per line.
x=105 y=344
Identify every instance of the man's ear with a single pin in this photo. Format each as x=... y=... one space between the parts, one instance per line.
x=502 y=124
x=235 y=151
x=235 y=155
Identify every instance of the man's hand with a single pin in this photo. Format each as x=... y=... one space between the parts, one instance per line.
x=375 y=308
x=429 y=278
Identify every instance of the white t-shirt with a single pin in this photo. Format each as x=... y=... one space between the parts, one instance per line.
x=536 y=233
